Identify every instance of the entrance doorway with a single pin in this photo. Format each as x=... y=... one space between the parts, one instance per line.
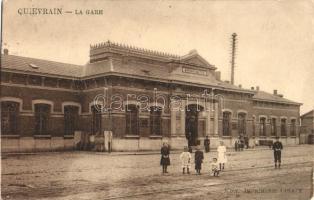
x=191 y=123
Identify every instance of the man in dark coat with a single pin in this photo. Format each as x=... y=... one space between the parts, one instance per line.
x=207 y=144
x=199 y=156
x=165 y=159
x=277 y=147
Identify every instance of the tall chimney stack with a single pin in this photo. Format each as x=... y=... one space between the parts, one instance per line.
x=233 y=50
x=6 y=51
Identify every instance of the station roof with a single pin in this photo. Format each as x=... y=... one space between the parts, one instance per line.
x=42 y=67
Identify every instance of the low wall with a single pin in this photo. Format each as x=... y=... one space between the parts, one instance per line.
x=31 y=144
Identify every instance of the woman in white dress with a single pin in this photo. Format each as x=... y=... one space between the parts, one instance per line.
x=222 y=155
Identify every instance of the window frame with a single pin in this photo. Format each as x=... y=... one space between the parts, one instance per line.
x=42 y=118
x=11 y=115
x=155 y=115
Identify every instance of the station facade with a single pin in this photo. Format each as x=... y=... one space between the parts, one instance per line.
x=142 y=96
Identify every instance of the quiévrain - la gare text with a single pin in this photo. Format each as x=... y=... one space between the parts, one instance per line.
x=57 y=11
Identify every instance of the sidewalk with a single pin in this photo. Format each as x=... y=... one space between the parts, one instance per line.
x=122 y=153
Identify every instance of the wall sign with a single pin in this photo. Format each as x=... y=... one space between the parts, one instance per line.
x=194 y=71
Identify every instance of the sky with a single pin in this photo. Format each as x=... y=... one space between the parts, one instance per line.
x=275 y=48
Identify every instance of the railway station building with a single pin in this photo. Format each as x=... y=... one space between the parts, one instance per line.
x=142 y=96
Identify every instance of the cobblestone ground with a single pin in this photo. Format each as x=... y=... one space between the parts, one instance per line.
x=87 y=175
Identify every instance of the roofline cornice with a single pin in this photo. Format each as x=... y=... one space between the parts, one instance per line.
x=281 y=102
x=39 y=74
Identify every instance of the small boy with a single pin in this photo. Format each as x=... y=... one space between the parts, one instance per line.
x=199 y=156
x=185 y=158
x=214 y=167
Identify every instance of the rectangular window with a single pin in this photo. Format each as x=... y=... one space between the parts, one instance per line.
x=131 y=120
x=283 y=127
x=293 y=127
x=155 y=121
x=42 y=114
x=226 y=124
x=71 y=116
x=262 y=126
x=253 y=126
x=242 y=123
x=9 y=118
x=273 y=127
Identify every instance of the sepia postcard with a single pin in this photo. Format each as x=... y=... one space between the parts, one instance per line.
x=157 y=99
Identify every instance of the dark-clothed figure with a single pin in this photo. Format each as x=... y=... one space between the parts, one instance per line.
x=277 y=147
x=165 y=159
x=207 y=144
x=237 y=145
x=246 y=141
x=199 y=156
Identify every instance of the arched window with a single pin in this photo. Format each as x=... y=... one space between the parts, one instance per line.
x=242 y=123
x=226 y=130
x=293 y=127
x=283 y=126
x=131 y=120
x=42 y=115
x=262 y=123
x=273 y=126
x=155 y=120
x=71 y=115
x=96 y=120
x=9 y=117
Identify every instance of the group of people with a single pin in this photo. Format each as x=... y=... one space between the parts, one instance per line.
x=241 y=143
x=216 y=165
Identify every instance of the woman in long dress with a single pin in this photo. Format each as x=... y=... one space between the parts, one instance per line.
x=222 y=155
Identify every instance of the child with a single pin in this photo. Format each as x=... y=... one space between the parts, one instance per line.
x=222 y=157
x=185 y=158
x=214 y=167
x=199 y=156
x=165 y=160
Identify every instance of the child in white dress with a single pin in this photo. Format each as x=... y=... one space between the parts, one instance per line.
x=185 y=158
x=222 y=157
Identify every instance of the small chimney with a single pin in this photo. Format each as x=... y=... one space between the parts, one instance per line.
x=6 y=51
x=252 y=88
x=280 y=95
x=257 y=88
x=240 y=86
x=218 y=75
x=275 y=92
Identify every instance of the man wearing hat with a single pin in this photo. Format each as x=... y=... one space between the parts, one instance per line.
x=277 y=147
x=199 y=156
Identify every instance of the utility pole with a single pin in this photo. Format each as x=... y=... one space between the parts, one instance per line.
x=233 y=50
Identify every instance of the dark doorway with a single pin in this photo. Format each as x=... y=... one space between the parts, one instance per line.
x=191 y=123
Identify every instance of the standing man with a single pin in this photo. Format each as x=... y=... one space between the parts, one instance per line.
x=207 y=144
x=277 y=147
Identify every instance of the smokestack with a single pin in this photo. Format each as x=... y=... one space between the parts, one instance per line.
x=257 y=88
x=6 y=51
x=233 y=46
x=275 y=92
x=218 y=75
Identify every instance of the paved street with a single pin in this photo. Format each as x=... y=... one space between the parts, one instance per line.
x=88 y=175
